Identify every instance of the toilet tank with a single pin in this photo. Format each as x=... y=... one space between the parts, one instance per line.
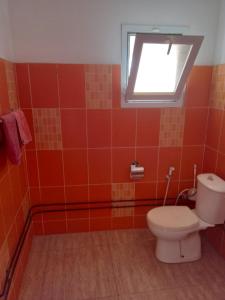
x=210 y=202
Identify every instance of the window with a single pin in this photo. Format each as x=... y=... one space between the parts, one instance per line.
x=155 y=66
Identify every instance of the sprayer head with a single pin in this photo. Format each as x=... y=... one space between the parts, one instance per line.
x=171 y=170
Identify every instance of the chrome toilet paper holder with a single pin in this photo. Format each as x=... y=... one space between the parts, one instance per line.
x=136 y=170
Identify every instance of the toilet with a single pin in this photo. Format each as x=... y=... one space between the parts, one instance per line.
x=176 y=228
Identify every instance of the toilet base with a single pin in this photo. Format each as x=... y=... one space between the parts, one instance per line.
x=173 y=251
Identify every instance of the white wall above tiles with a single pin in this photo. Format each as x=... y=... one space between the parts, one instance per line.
x=88 y=31
x=220 y=48
x=6 y=49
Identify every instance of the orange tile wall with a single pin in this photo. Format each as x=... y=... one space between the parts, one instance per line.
x=84 y=142
x=14 y=196
x=214 y=159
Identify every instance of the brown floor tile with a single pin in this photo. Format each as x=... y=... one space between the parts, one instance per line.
x=44 y=274
x=116 y=265
x=89 y=273
x=214 y=292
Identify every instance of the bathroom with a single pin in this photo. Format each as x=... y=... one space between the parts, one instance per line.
x=72 y=219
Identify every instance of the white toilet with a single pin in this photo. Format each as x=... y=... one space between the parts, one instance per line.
x=177 y=227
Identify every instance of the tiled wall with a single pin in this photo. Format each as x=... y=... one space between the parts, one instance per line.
x=14 y=199
x=84 y=142
x=214 y=160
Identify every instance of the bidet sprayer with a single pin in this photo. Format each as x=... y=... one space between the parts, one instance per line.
x=171 y=170
x=168 y=177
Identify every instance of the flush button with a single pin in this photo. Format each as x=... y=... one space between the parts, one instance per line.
x=210 y=177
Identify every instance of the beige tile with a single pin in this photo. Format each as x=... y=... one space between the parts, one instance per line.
x=171 y=127
x=123 y=191
x=98 y=86
x=11 y=83
x=47 y=128
x=217 y=91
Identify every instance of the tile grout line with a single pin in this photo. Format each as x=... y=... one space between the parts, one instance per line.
x=62 y=154
x=113 y=267
x=158 y=155
x=119 y=108
x=36 y=150
x=111 y=159
x=107 y=183
x=87 y=142
x=135 y=157
x=128 y=147
x=219 y=138
x=181 y=151
x=206 y=133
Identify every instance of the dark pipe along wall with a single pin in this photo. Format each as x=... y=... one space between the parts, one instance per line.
x=46 y=208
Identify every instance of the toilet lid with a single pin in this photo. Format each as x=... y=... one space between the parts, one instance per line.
x=175 y=218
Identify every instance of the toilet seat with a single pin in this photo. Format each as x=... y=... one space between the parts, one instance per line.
x=173 y=218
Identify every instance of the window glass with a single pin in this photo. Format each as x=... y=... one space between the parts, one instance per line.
x=131 y=42
x=160 y=67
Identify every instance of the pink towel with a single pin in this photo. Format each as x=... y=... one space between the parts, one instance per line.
x=10 y=130
x=23 y=127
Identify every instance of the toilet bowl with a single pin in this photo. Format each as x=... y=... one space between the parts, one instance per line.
x=177 y=227
x=177 y=231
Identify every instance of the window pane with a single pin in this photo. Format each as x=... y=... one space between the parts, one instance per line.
x=131 y=50
x=160 y=69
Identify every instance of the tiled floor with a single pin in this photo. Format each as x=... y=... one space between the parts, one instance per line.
x=116 y=265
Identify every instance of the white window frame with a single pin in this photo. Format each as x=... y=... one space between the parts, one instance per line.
x=128 y=98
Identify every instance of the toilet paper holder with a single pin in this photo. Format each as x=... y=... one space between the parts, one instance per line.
x=136 y=170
